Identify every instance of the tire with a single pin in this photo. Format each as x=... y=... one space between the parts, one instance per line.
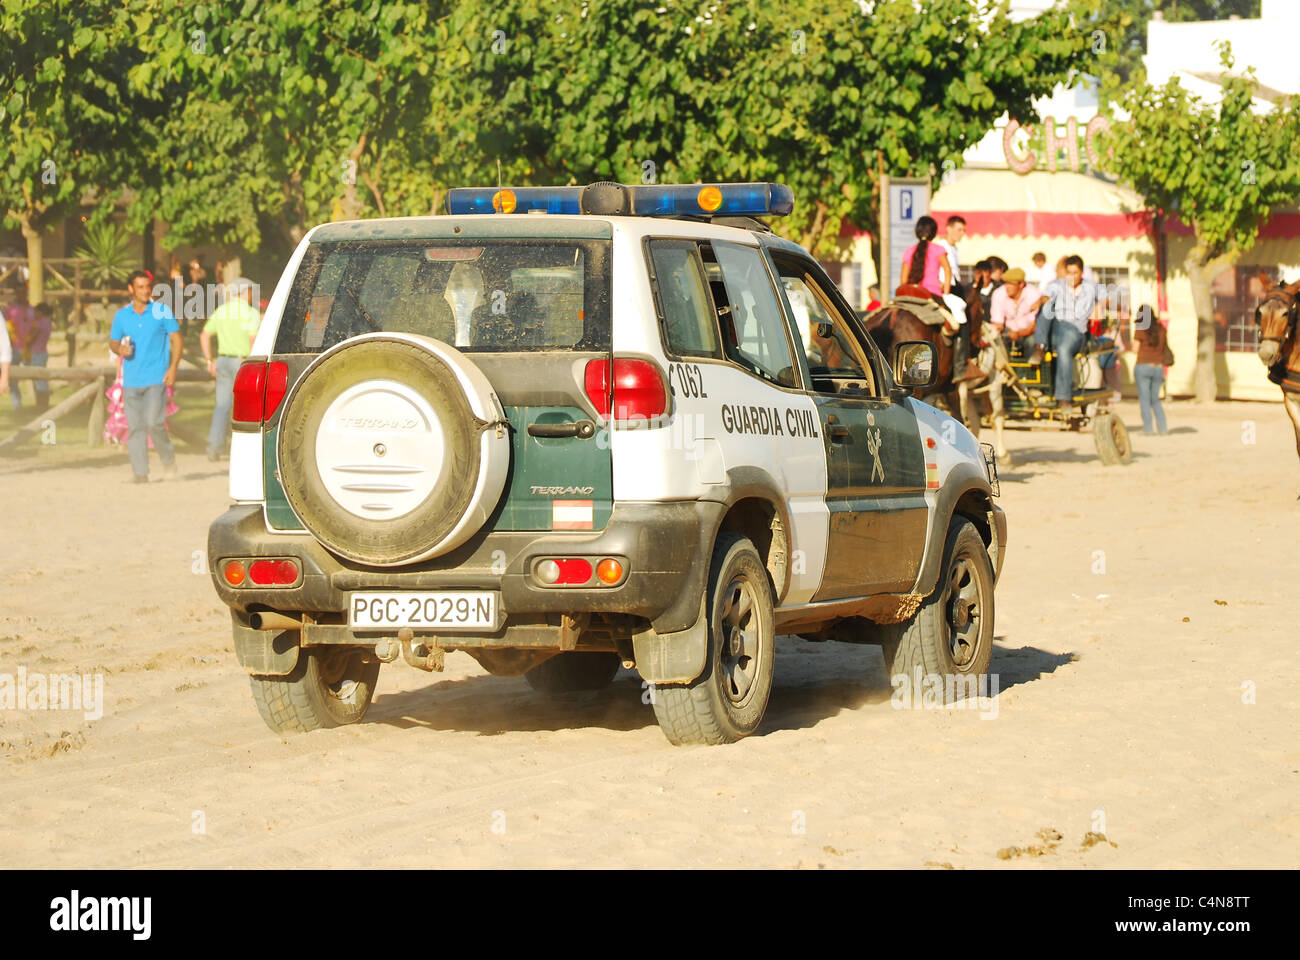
x=928 y=641
x=388 y=449
x=727 y=701
x=330 y=687
x=570 y=672
x=1110 y=436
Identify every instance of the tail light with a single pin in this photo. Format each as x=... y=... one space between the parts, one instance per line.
x=259 y=388
x=277 y=573
x=261 y=572
x=639 y=391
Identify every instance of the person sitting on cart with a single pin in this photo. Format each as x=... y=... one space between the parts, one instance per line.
x=1013 y=307
x=1064 y=308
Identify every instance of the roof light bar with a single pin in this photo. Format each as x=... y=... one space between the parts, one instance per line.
x=657 y=200
x=470 y=200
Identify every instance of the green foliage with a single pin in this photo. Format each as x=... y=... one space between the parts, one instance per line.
x=820 y=98
x=66 y=113
x=251 y=121
x=1220 y=167
x=108 y=245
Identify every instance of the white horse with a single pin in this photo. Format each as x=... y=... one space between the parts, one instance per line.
x=995 y=363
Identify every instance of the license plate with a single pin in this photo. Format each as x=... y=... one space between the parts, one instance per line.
x=440 y=610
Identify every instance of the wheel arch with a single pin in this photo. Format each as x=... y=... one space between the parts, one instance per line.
x=966 y=494
x=756 y=509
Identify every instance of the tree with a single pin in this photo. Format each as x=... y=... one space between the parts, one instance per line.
x=69 y=124
x=301 y=111
x=819 y=97
x=1222 y=168
x=326 y=109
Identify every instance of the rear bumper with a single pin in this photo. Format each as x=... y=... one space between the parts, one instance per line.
x=663 y=544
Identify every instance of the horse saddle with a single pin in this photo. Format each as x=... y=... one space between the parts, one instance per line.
x=923 y=308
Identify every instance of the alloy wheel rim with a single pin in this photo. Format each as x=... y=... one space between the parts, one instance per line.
x=964 y=611
x=739 y=644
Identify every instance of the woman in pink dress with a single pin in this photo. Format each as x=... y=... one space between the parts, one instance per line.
x=926 y=264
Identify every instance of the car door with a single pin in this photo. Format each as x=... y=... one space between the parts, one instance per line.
x=874 y=459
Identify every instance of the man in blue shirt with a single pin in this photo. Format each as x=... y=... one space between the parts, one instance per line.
x=1063 y=323
x=146 y=337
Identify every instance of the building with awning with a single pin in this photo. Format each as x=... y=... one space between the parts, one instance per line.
x=1041 y=187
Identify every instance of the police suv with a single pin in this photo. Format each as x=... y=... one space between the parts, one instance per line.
x=567 y=429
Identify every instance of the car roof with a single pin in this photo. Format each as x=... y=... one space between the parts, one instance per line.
x=580 y=226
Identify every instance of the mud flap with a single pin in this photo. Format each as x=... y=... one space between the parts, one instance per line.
x=673 y=657
x=264 y=652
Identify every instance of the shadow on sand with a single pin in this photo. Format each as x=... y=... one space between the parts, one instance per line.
x=808 y=690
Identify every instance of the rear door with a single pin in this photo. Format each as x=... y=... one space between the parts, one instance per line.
x=528 y=302
x=874 y=460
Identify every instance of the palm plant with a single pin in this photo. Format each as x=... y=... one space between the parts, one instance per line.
x=107 y=248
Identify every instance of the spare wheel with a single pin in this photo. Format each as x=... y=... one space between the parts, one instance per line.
x=393 y=448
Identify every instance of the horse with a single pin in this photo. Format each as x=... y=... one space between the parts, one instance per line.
x=896 y=324
x=1279 y=347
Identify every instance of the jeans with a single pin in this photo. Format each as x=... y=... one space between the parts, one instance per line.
x=1149 y=376
x=227 y=367
x=1065 y=339
x=145 y=409
x=38 y=386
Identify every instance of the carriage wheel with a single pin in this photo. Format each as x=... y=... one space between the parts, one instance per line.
x=1111 y=439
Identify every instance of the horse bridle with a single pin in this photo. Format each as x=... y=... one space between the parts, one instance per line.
x=1287 y=298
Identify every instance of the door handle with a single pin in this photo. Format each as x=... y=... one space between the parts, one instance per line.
x=838 y=432
x=577 y=428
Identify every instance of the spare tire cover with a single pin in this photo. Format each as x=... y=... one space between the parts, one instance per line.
x=393 y=448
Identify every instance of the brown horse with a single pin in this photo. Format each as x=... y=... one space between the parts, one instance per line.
x=893 y=324
x=1279 y=347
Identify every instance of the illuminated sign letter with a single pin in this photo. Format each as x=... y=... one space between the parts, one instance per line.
x=1018 y=164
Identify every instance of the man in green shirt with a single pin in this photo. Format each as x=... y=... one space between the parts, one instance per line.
x=235 y=325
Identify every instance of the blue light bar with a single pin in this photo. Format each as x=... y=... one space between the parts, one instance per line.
x=713 y=200
x=656 y=200
x=469 y=200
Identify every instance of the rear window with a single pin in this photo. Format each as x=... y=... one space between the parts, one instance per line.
x=486 y=294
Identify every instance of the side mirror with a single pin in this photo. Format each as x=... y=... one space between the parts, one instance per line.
x=914 y=364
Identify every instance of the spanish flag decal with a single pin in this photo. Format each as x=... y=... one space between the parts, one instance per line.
x=932 y=476
x=572 y=514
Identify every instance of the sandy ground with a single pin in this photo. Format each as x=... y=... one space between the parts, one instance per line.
x=1146 y=655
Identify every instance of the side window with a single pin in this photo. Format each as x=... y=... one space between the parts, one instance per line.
x=685 y=305
x=753 y=332
x=836 y=361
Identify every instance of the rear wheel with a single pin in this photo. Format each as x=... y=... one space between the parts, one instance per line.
x=1110 y=437
x=951 y=636
x=330 y=687
x=727 y=701
x=571 y=671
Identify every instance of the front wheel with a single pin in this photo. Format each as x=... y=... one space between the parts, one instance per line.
x=330 y=687
x=727 y=701
x=950 y=637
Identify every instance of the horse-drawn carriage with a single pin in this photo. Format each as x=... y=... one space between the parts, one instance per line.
x=1015 y=389
x=1023 y=393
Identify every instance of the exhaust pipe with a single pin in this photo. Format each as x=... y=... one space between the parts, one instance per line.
x=270 y=620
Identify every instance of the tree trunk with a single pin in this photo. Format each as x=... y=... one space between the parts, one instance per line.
x=813 y=237
x=35 y=261
x=1201 y=271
